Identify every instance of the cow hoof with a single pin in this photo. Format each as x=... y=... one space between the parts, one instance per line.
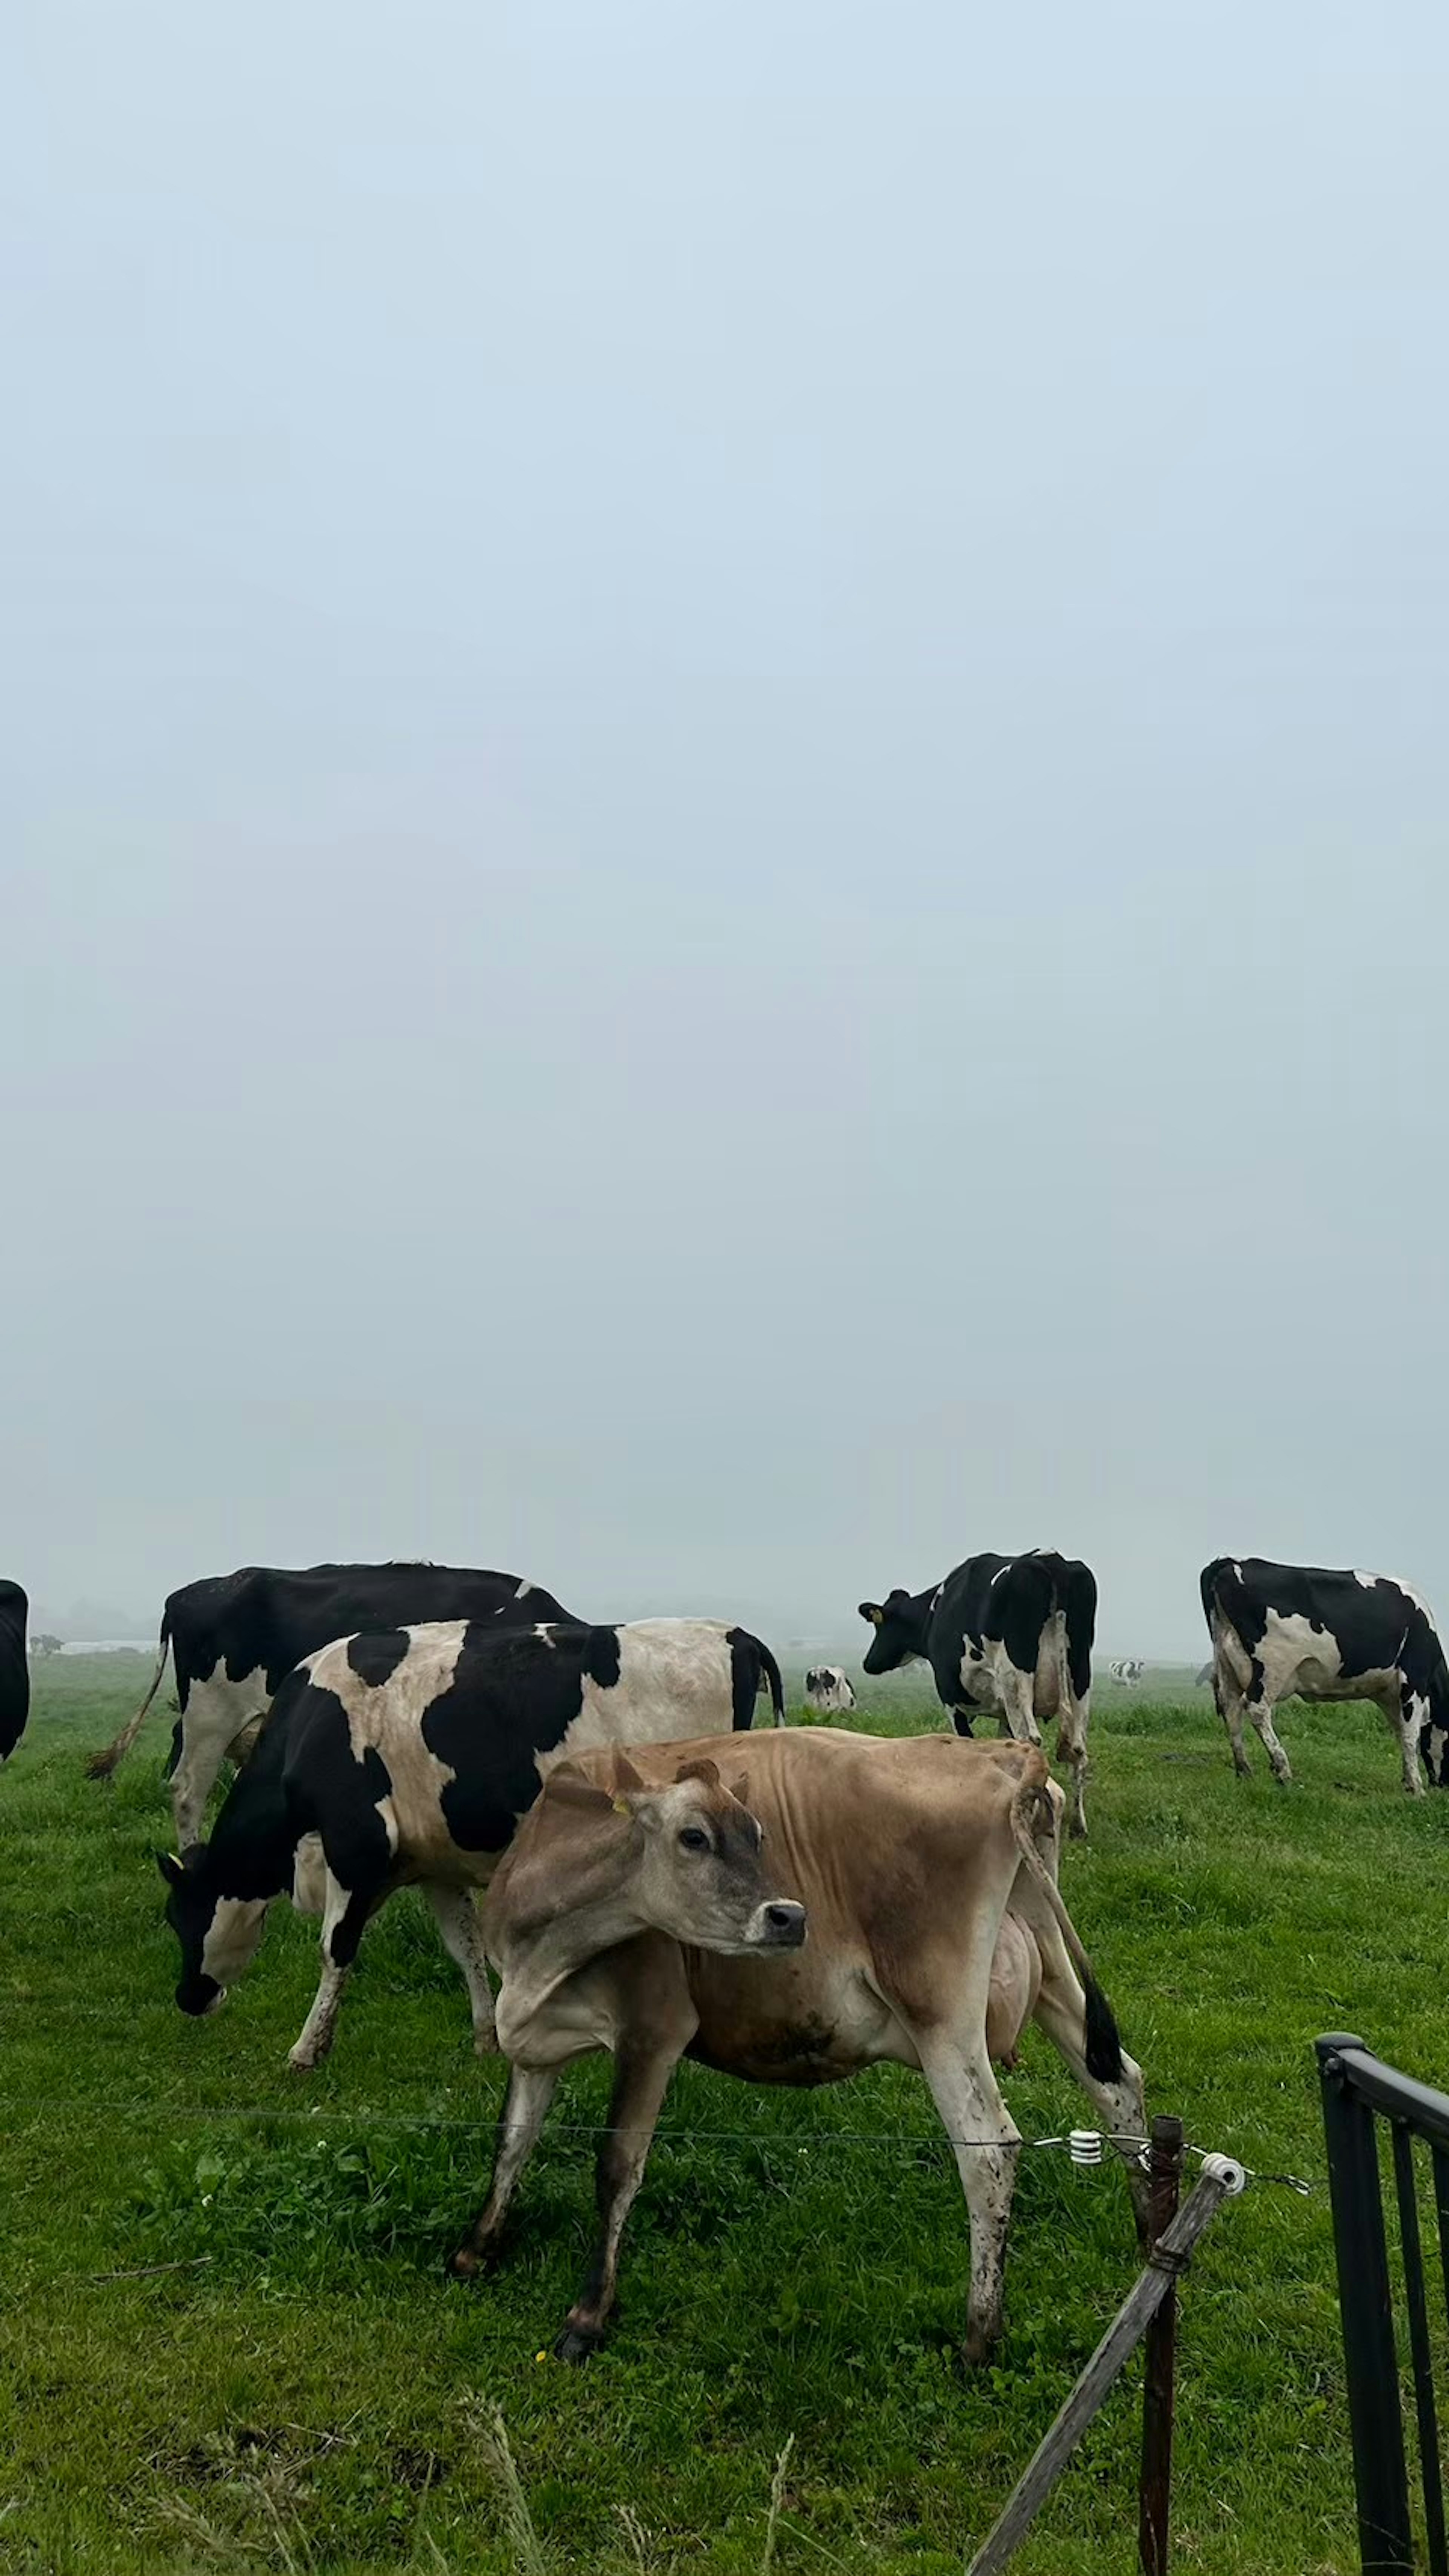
x=1077 y=1829
x=472 y=2262
x=577 y=2344
x=485 y=2043
x=978 y=2349
x=301 y=2061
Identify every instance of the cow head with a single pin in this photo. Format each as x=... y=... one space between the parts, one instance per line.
x=695 y=1866
x=902 y=1624
x=219 y=1935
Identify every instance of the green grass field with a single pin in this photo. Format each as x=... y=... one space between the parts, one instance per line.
x=305 y=2392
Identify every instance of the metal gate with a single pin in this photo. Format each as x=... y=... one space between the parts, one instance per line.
x=1358 y=2090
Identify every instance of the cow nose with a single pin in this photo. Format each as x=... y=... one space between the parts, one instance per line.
x=784 y=1924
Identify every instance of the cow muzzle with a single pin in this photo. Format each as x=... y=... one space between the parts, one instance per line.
x=199 y=1996
x=779 y=1925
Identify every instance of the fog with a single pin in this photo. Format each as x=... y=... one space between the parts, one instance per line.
x=725 y=796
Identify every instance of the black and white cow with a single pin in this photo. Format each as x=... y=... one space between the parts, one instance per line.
x=1010 y=1633
x=828 y=1689
x=232 y=1638
x=406 y=1757
x=14 y=1669
x=1320 y=1632
x=1126 y=1669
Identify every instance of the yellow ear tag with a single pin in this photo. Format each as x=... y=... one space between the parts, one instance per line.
x=621 y=1806
x=877 y=1618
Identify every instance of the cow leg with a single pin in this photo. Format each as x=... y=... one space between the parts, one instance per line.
x=525 y=2106
x=1018 y=1703
x=1072 y=1751
x=309 y=1876
x=344 y=1919
x=456 y=1917
x=1405 y=1717
x=192 y=1782
x=1061 y=2009
x=1260 y=1710
x=986 y=2143
x=1230 y=1709
x=641 y=2080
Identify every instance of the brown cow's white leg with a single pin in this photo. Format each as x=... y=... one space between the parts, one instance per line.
x=987 y=2143
x=530 y=2091
x=641 y=2081
x=1061 y=2009
x=457 y=1919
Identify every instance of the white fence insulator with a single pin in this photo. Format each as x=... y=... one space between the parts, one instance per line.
x=1086 y=2146
x=1227 y=2171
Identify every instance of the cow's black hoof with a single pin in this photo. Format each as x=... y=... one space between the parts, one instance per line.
x=473 y=2262
x=578 y=2343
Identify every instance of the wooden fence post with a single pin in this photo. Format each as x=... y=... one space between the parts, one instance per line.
x=1221 y=2179
x=1154 y=2494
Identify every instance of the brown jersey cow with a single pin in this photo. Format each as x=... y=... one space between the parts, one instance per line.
x=927 y=1870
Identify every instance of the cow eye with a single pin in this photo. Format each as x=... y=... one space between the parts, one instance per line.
x=693 y=1839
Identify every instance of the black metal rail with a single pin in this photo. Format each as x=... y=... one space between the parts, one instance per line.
x=1358 y=2089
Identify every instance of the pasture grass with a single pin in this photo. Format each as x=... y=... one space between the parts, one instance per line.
x=303 y=2391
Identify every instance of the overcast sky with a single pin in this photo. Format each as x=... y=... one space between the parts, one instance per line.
x=725 y=794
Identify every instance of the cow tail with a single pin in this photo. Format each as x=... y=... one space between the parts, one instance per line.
x=1103 y=2050
x=771 y=1671
x=1208 y=1582
x=101 y=1765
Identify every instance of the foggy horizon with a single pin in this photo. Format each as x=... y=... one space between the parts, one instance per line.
x=726 y=800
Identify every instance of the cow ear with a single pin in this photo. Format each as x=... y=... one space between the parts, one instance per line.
x=569 y=1785
x=740 y=1789
x=704 y=1770
x=872 y=1611
x=625 y=1776
x=172 y=1869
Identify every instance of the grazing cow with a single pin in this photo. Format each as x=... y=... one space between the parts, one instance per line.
x=1126 y=1669
x=827 y=1688
x=1203 y=1676
x=409 y=1756
x=232 y=1638
x=927 y=1873
x=1010 y=1633
x=1316 y=1632
x=14 y=1669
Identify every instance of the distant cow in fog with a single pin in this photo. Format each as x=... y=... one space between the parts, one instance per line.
x=1126 y=1669
x=1326 y=1632
x=827 y=1690
x=1007 y=1633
